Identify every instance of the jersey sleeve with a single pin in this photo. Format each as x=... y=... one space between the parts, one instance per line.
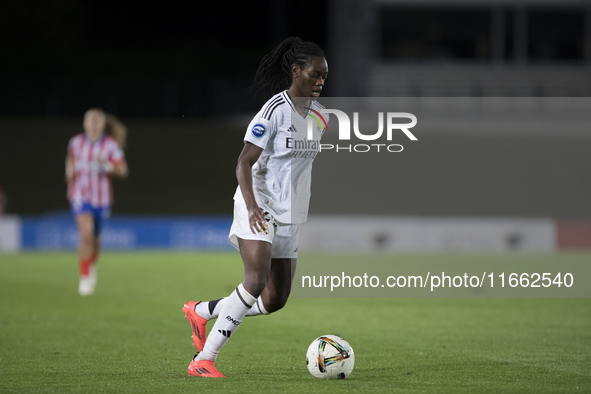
x=116 y=155
x=260 y=130
x=70 y=152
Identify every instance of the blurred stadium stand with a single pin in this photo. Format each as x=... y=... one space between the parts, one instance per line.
x=375 y=48
x=385 y=48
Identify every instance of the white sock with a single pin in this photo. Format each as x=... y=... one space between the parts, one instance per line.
x=257 y=309
x=211 y=310
x=234 y=308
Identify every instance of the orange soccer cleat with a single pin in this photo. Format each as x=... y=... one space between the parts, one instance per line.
x=204 y=368
x=197 y=324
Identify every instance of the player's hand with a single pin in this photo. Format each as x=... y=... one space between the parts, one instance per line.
x=256 y=220
x=106 y=166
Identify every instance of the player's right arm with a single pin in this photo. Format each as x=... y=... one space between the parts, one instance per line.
x=70 y=169
x=248 y=157
x=261 y=128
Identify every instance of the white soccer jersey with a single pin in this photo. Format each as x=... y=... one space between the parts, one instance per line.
x=283 y=173
x=91 y=184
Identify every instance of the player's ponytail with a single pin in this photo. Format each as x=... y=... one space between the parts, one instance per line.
x=113 y=127
x=274 y=72
x=116 y=129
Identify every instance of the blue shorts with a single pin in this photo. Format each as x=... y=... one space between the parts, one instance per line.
x=100 y=214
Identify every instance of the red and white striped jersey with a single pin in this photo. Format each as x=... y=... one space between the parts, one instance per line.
x=92 y=184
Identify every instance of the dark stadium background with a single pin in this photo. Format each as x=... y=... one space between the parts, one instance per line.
x=177 y=73
x=162 y=68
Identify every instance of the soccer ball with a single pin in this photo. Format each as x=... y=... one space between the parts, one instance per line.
x=330 y=357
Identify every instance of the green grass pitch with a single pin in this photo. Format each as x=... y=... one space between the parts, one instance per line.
x=131 y=336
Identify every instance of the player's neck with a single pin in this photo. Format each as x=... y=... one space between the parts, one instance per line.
x=93 y=137
x=298 y=104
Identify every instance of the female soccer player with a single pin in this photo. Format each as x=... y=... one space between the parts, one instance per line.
x=274 y=173
x=93 y=158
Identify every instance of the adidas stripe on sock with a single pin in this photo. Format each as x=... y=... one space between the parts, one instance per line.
x=257 y=309
x=233 y=310
x=211 y=310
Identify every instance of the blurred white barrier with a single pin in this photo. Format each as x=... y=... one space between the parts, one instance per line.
x=10 y=233
x=324 y=233
x=409 y=234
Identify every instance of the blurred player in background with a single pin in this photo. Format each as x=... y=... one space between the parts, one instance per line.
x=274 y=175
x=93 y=158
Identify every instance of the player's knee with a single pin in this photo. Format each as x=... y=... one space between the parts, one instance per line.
x=277 y=302
x=275 y=306
x=255 y=284
x=87 y=237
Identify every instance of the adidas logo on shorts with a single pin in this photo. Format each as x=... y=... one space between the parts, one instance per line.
x=270 y=219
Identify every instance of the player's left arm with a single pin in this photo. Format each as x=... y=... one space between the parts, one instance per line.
x=70 y=164
x=116 y=164
x=70 y=169
x=120 y=169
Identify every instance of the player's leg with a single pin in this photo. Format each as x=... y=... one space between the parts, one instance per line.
x=101 y=215
x=278 y=283
x=198 y=313
x=273 y=297
x=278 y=287
x=92 y=275
x=85 y=223
x=256 y=257
x=284 y=255
x=96 y=248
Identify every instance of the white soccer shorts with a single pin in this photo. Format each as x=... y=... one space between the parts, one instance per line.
x=284 y=238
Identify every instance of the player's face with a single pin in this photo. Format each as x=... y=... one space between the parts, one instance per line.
x=308 y=80
x=94 y=124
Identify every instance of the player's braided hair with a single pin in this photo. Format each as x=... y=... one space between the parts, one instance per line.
x=274 y=72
